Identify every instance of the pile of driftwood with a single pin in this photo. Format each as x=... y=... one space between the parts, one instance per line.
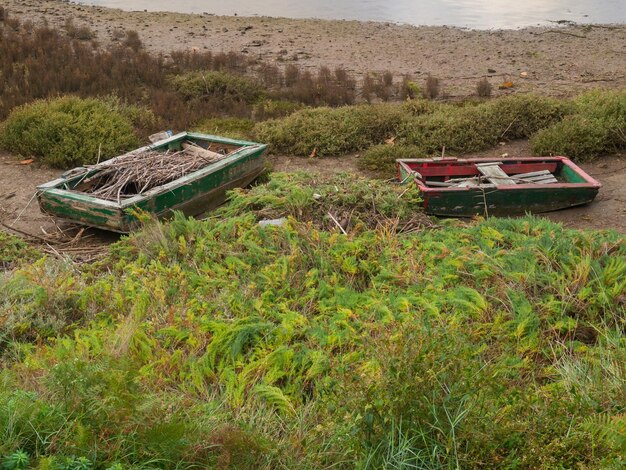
x=139 y=171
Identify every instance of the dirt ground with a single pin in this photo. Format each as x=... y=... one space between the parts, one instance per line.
x=19 y=209
x=555 y=60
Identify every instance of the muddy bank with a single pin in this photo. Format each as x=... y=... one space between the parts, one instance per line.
x=553 y=60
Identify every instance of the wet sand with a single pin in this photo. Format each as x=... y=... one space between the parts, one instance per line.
x=559 y=60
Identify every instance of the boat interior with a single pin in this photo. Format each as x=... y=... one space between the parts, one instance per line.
x=490 y=173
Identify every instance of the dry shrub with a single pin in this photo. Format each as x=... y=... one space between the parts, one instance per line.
x=82 y=33
x=483 y=88
x=367 y=87
x=326 y=88
x=292 y=75
x=132 y=40
x=271 y=76
x=432 y=87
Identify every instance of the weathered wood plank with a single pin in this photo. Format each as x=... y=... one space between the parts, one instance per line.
x=494 y=173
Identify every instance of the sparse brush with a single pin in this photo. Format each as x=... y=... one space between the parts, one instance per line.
x=82 y=33
x=432 y=87
x=368 y=87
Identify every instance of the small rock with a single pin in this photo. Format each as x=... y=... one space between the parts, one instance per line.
x=491 y=71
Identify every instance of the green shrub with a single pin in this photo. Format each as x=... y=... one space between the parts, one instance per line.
x=458 y=129
x=382 y=158
x=520 y=116
x=469 y=127
x=331 y=131
x=473 y=127
x=596 y=127
x=577 y=137
x=235 y=128
x=66 y=132
x=211 y=84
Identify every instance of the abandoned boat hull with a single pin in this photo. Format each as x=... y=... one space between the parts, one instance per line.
x=575 y=188
x=193 y=194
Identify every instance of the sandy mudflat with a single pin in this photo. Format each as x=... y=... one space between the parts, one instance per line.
x=557 y=60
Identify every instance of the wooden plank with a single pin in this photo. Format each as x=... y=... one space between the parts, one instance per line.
x=494 y=173
x=533 y=173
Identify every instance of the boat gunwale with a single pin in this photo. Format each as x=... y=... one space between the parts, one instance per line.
x=590 y=182
x=246 y=149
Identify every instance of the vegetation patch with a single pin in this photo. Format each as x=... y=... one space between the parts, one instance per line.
x=355 y=203
x=67 y=132
x=226 y=343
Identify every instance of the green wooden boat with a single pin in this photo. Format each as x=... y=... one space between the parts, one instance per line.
x=463 y=187
x=195 y=193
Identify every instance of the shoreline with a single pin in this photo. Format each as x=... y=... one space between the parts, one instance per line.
x=558 y=60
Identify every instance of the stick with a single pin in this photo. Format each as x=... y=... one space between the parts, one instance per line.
x=338 y=224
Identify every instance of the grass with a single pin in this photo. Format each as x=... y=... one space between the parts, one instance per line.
x=222 y=343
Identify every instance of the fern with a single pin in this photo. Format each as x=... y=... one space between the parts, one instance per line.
x=274 y=397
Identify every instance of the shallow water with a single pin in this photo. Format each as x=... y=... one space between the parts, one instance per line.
x=479 y=14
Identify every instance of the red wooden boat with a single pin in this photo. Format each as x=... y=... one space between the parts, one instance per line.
x=492 y=186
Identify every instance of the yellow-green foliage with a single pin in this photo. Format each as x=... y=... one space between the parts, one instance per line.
x=221 y=343
x=69 y=131
x=597 y=126
x=212 y=84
